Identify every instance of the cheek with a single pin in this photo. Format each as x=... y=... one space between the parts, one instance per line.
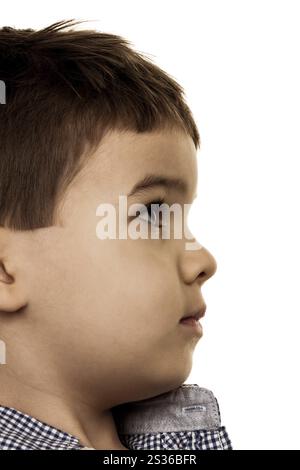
x=128 y=286
x=112 y=289
x=143 y=294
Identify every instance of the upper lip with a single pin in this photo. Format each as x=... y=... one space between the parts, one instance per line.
x=198 y=313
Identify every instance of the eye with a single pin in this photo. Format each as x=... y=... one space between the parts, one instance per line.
x=152 y=214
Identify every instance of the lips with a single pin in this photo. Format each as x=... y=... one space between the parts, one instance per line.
x=196 y=314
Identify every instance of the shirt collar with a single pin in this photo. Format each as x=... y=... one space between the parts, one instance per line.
x=26 y=428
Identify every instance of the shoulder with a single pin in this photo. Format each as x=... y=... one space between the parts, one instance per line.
x=19 y=431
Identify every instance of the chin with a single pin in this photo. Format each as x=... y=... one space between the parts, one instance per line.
x=166 y=380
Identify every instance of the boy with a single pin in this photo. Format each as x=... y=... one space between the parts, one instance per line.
x=96 y=348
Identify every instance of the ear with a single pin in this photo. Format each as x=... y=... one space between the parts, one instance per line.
x=12 y=297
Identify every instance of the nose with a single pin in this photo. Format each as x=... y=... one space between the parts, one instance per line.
x=197 y=265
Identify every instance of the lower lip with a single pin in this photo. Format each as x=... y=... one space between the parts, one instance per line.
x=191 y=324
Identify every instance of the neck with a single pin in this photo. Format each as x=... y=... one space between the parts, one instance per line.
x=93 y=426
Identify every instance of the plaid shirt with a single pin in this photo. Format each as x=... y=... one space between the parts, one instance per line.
x=184 y=418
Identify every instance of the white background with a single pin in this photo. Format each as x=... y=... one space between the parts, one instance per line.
x=238 y=62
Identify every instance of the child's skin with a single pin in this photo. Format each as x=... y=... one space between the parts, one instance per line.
x=99 y=319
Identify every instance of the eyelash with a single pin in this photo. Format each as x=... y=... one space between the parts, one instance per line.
x=148 y=206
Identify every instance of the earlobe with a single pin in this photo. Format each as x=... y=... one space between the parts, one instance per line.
x=12 y=298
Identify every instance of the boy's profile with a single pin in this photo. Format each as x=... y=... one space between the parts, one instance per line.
x=92 y=324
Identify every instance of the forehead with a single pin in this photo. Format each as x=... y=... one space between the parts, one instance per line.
x=124 y=158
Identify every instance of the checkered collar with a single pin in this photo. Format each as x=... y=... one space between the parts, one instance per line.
x=27 y=431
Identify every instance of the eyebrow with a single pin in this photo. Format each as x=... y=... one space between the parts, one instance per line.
x=150 y=181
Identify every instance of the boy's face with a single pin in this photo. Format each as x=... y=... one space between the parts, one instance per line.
x=103 y=316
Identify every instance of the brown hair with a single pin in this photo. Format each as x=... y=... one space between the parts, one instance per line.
x=64 y=90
